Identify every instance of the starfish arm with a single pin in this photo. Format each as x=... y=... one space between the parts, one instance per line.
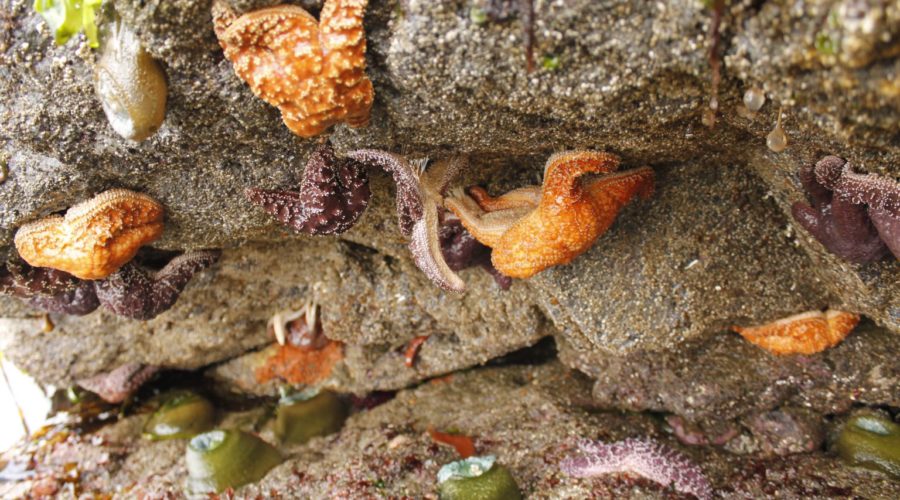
x=133 y=293
x=476 y=221
x=410 y=199
x=425 y=246
x=437 y=178
x=115 y=386
x=343 y=39
x=18 y=279
x=810 y=219
x=888 y=226
x=817 y=193
x=286 y=206
x=612 y=192
x=560 y=186
x=76 y=302
x=528 y=197
x=878 y=192
x=851 y=222
x=128 y=292
x=827 y=172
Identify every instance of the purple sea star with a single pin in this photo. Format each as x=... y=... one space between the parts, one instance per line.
x=646 y=458
x=48 y=289
x=115 y=386
x=420 y=194
x=461 y=250
x=880 y=194
x=841 y=225
x=332 y=196
x=129 y=292
x=136 y=294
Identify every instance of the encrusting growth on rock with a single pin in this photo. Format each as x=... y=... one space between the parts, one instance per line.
x=95 y=237
x=805 y=333
x=313 y=72
x=837 y=218
x=533 y=228
x=304 y=354
x=332 y=196
x=644 y=457
x=420 y=195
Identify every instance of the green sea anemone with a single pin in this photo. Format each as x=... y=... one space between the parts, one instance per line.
x=301 y=417
x=477 y=478
x=182 y=414
x=221 y=459
x=871 y=441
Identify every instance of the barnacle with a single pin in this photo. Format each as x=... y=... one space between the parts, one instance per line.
x=806 y=333
x=95 y=237
x=130 y=84
x=477 y=477
x=222 y=459
x=533 y=228
x=872 y=441
x=302 y=417
x=182 y=414
x=314 y=72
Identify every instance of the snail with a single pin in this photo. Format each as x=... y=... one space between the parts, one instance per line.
x=130 y=84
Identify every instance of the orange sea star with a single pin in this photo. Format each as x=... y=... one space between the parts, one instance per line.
x=805 y=333
x=314 y=72
x=95 y=237
x=533 y=228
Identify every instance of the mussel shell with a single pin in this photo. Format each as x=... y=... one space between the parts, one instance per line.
x=298 y=422
x=221 y=459
x=871 y=441
x=130 y=84
x=183 y=414
x=495 y=484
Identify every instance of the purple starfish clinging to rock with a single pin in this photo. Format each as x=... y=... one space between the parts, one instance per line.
x=643 y=457
x=332 y=195
x=837 y=217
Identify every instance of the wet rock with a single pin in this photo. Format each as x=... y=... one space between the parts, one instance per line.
x=529 y=417
x=376 y=302
x=665 y=273
x=787 y=430
x=726 y=377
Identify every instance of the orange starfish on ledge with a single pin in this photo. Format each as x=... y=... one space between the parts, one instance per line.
x=314 y=72
x=95 y=237
x=805 y=333
x=533 y=228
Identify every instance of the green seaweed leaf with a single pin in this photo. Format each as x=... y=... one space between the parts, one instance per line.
x=67 y=17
